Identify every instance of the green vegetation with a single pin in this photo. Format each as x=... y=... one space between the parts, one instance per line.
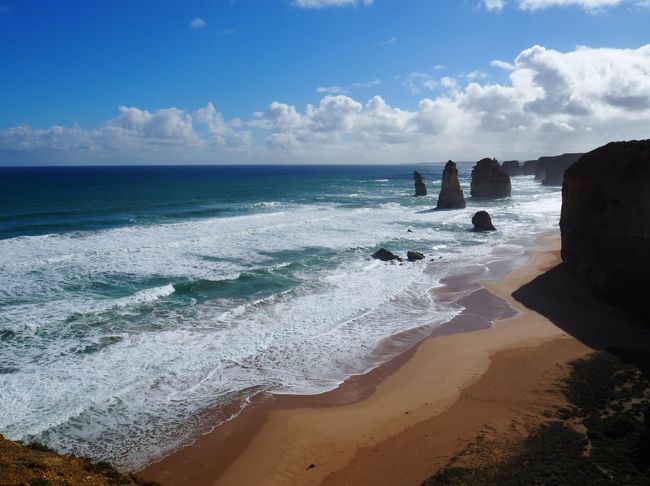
x=602 y=439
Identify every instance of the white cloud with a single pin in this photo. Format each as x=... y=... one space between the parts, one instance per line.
x=418 y=82
x=493 y=5
x=552 y=102
x=330 y=3
x=198 y=23
x=506 y=66
x=389 y=41
x=346 y=89
x=592 y=6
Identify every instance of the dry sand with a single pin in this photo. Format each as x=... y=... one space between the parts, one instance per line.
x=410 y=422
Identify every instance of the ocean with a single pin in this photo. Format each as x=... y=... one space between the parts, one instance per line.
x=143 y=306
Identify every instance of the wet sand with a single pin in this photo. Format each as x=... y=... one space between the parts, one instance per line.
x=401 y=422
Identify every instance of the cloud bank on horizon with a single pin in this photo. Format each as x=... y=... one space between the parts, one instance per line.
x=552 y=102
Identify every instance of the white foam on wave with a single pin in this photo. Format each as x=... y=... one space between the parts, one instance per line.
x=144 y=296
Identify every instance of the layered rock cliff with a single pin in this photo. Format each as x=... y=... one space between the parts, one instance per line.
x=529 y=167
x=451 y=195
x=605 y=223
x=553 y=168
x=512 y=167
x=490 y=180
x=420 y=188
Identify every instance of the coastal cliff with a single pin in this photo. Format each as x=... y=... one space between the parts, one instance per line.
x=512 y=167
x=36 y=464
x=551 y=169
x=605 y=223
x=489 y=180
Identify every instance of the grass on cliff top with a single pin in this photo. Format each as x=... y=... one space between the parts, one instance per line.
x=602 y=439
x=38 y=465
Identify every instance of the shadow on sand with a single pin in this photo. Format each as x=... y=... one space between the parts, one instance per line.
x=562 y=299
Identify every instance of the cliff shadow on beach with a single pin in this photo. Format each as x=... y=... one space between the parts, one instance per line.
x=561 y=298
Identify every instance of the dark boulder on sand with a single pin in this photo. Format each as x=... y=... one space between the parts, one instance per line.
x=420 y=188
x=482 y=222
x=605 y=223
x=414 y=256
x=529 y=167
x=385 y=256
x=489 y=180
x=512 y=167
x=451 y=195
x=551 y=169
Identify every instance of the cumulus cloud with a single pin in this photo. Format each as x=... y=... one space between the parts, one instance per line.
x=330 y=3
x=552 y=102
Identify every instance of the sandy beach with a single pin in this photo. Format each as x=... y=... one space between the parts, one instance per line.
x=404 y=421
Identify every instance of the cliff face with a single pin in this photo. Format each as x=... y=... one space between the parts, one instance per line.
x=490 y=180
x=420 y=188
x=512 y=167
x=605 y=223
x=451 y=195
x=529 y=167
x=553 y=168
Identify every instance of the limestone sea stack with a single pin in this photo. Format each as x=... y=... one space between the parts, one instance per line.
x=451 y=195
x=490 y=180
x=420 y=188
x=605 y=223
x=512 y=167
x=482 y=222
x=553 y=168
x=529 y=167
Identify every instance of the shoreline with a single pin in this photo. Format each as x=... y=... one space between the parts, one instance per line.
x=279 y=437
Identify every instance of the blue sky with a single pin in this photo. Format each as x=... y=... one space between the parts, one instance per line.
x=73 y=64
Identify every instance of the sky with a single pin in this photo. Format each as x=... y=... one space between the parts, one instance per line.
x=318 y=81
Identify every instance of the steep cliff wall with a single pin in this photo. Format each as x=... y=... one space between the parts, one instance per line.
x=605 y=223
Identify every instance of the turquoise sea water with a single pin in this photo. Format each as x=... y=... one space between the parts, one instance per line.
x=136 y=301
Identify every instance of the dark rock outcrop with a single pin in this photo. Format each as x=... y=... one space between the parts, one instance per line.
x=512 y=167
x=552 y=169
x=529 y=167
x=451 y=195
x=420 y=188
x=482 y=222
x=385 y=256
x=605 y=223
x=414 y=256
x=490 y=180
x=540 y=169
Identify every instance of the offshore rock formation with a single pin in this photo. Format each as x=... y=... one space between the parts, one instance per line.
x=605 y=223
x=529 y=167
x=482 y=222
x=512 y=167
x=490 y=180
x=420 y=188
x=553 y=168
x=385 y=256
x=414 y=256
x=451 y=195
